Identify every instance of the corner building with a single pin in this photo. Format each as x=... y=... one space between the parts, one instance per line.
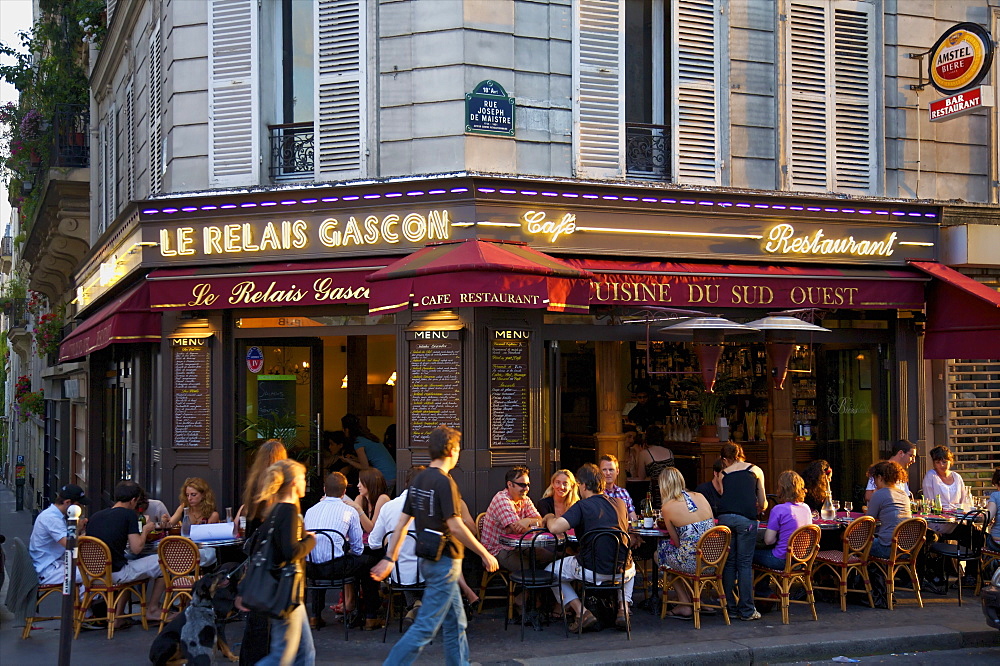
x=484 y=213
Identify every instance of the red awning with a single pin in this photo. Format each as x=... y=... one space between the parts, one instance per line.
x=263 y=285
x=125 y=319
x=963 y=316
x=698 y=285
x=479 y=273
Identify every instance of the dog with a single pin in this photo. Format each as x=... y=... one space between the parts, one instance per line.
x=193 y=635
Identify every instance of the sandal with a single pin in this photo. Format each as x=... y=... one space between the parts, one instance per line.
x=678 y=616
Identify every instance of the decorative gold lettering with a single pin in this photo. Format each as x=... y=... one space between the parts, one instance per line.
x=703 y=293
x=414 y=227
x=247 y=293
x=328 y=234
x=248 y=244
x=323 y=290
x=270 y=238
x=202 y=295
x=371 y=229
x=212 y=240
x=185 y=240
x=781 y=239
x=352 y=233
x=231 y=237
x=300 y=235
x=440 y=299
x=165 y=249
x=438 y=225
x=535 y=223
x=388 y=222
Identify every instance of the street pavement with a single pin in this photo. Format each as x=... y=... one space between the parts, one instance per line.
x=941 y=625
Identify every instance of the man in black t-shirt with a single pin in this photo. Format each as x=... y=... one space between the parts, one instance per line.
x=433 y=499
x=595 y=511
x=118 y=527
x=712 y=490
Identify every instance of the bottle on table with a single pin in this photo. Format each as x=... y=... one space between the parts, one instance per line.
x=828 y=512
x=186 y=523
x=648 y=512
x=937 y=503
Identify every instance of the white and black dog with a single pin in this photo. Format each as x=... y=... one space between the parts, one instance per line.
x=193 y=635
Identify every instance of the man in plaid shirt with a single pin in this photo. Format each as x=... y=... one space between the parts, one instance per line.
x=510 y=512
x=609 y=468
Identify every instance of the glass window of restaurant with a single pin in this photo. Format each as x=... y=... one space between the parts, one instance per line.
x=298 y=374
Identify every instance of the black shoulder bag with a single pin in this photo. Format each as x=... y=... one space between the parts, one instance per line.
x=266 y=587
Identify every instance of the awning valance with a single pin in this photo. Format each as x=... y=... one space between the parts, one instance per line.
x=263 y=285
x=479 y=273
x=963 y=316
x=125 y=319
x=704 y=285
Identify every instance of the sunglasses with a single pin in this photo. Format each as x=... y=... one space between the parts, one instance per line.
x=523 y=485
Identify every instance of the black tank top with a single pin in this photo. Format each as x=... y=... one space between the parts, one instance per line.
x=739 y=493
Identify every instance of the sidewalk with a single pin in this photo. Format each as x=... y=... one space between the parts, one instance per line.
x=941 y=625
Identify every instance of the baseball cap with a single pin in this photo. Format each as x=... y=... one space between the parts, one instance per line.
x=74 y=493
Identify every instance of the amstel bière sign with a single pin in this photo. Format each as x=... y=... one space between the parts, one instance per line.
x=960 y=58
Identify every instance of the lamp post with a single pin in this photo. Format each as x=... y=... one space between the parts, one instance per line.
x=69 y=586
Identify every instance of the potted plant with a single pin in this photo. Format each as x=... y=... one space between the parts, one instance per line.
x=713 y=404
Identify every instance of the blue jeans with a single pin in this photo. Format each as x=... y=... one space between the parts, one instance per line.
x=739 y=566
x=765 y=557
x=291 y=641
x=880 y=550
x=441 y=609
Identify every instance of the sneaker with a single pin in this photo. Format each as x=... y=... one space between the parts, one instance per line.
x=752 y=617
x=587 y=619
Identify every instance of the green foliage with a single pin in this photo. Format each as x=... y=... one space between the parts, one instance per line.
x=16 y=286
x=283 y=426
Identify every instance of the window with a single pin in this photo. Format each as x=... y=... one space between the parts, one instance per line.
x=830 y=83
x=974 y=420
x=154 y=145
x=292 y=137
x=648 y=97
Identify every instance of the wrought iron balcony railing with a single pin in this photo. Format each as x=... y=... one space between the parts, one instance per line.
x=72 y=136
x=6 y=246
x=647 y=151
x=16 y=310
x=291 y=151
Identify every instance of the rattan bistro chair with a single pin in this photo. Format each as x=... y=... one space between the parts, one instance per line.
x=95 y=571
x=180 y=564
x=488 y=577
x=857 y=540
x=803 y=546
x=711 y=553
x=907 y=540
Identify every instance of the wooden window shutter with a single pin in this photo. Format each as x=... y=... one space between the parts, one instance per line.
x=808 y=103
x=155 y=140
x=854 y=102
x=111 y=165
x=102 y=179
x=599 y=89
x=341 y=96
x=130 y=141
x=696 y=57
x=233 y=156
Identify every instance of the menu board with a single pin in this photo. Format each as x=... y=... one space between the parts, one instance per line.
x=435 y=383
x=509 y=389
x=192 y=393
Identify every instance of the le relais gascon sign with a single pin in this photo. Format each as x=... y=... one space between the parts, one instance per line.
x=959 y=61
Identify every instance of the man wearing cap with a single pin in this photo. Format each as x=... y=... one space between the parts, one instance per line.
x=47 y=545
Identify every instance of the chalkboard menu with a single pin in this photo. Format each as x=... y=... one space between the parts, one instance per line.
x=509 y=390
x=192 y=392
x=435 y=383
x=275 y=395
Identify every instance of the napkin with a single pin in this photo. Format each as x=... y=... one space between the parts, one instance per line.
x=212 y=532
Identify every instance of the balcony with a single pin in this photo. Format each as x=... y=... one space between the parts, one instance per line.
x=71 y=127
x=647 y=151
x=291 y=151
x=6 y=254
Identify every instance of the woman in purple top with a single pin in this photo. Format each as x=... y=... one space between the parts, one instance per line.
x=785 y=518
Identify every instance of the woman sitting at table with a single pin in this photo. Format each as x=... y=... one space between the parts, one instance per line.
x=372 y=496
x=561 y=494
x=788 y=515
x=942 y=481
x=817 y=477
x=198 y=498
x=888 y=504
x=654 y=458
x=687 y=516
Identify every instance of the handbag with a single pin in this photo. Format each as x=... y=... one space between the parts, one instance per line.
x=430 y=545
x=261 y=590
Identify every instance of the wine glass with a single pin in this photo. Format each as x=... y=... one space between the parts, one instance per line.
x=848 y=508
x=836 y=507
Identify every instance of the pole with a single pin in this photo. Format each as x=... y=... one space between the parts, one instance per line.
x=69 y=587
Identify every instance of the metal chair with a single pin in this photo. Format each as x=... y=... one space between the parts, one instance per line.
x=95 y=572
x=606 y=541
x=394 y=583
x=21 y=566
x=907 y=540
x=857 y=540
x=803 y=545
x=332 y=582
x=181 y=567
x=489 y=577
x=532 y=575
x=968 y=546
x=711 y=554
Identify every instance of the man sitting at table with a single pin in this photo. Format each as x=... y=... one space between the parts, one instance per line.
x=510 y=512
x=47 y=545
x=609 y=468
x=595 y=511
x=118 y=527
x=904 y=453
x=333 y=513
x=712 y=490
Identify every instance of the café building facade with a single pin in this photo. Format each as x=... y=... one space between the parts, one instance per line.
x=526 y=312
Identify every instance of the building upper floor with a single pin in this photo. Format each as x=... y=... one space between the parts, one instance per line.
x=808 y=96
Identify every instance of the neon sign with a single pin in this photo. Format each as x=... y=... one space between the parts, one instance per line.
x=781 y=239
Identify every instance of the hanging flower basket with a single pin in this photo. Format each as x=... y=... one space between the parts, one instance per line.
x=31 y=404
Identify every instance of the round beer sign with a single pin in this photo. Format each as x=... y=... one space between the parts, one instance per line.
x=961 y=57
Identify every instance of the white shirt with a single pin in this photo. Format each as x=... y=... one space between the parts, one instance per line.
x=904 y=487
x=406 y=565
x=50 y=527
x=332 y=513
x=955 y=496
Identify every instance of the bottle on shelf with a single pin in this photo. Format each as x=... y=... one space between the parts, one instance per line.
x=186 y=523
x=828 y=512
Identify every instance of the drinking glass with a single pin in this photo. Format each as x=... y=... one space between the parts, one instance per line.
x=848 y=508
x=229 y=514
x=836 y=507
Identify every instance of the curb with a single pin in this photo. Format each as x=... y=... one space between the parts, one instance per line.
x=814 y=646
